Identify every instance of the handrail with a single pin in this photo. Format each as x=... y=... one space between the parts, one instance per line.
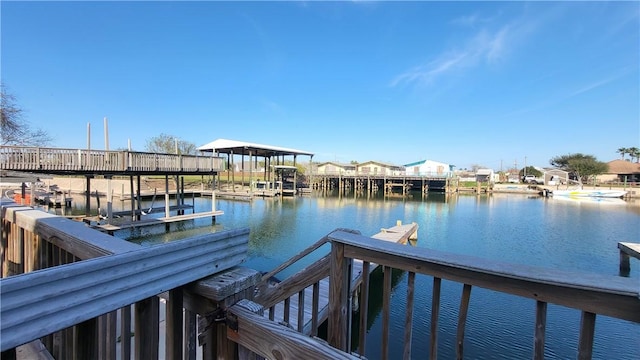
x=269 y=296
x=601 y=294
x=64 y=296
x=302 y=254
x=592 y=294
x=60 y=160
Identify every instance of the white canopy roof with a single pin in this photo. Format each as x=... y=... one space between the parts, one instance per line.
x=226 y=146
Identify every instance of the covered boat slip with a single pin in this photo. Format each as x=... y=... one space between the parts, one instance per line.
x=277 y=172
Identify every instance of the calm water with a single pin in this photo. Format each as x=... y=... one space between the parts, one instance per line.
x=567 y=235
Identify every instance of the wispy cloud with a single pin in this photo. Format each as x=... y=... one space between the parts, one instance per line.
x=482 y=47
x=597 y=84
x=471 y=20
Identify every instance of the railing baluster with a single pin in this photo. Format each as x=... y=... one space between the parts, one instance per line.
x=272 y=313
x=146 y=328
x=315 y=308
x=462 y=319
x=435 y=314
x=364 y=307
x=587 y=329
x=111 y=338
x=190 y=344
x=125 y=333
x=408 y=320
x=541 y=324
x=386 y=300
x=301 y=310
x=174 y=330
x=287 y=310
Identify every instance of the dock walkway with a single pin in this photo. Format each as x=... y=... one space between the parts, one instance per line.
x=627 y=250
x=397 y=234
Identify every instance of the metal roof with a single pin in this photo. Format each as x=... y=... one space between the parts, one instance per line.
x=226 y=146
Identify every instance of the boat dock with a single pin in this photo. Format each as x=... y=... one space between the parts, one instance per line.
x=627 y=250
x=281 y=312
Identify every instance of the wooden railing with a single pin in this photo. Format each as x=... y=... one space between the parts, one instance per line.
x=77 y=309
x=589 y=293
x=23 y=158
x=63 y=305
x=109 y=285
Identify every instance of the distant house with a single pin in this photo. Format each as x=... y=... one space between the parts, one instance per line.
x=334 y=168
x=621 y=170
x=379 y=168
x=428 y=168
x=485 y=175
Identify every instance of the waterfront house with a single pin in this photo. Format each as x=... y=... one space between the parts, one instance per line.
x=379 y=168
x=622 y=171
x=428 y=168
x=335 y=168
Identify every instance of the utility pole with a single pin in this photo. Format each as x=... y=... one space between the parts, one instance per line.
x=525 y=166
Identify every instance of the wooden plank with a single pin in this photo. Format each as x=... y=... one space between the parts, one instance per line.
x=408 y=320
x=275 y=341
x=364 y=309
x=174 y=325
x=34 y=350
x=315 y=308
x=42 y=302
x=337 y=326
x=190 y=344
x=541 y=325
x=435 y=314
x=157 y=221
x=587 y=329
x=125 y=333
x=147 y=316
x=386 y=312
x=602 y=294
x=462 y=320
x=627 y=249
x=71 y=236
x=632 y=249
x=225 y=284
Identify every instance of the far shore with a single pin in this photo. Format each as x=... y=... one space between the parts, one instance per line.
x=122 y=187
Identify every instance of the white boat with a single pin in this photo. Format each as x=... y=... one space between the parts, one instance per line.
x=589 y=200
x=590 y=193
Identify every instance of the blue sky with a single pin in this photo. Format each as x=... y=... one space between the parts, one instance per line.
x=486 y=83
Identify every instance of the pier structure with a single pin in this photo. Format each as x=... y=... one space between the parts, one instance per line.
x=392 y=185
x=627 y=250
x=109 y=164
x=278 y=167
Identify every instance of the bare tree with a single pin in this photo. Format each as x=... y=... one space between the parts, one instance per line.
x=13 y=129
x=169 y=144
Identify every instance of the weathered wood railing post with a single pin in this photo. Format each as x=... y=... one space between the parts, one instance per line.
x=339 y=283
x=147 y=314
x=211 y=297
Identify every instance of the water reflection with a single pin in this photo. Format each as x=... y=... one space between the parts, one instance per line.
x=552 y=233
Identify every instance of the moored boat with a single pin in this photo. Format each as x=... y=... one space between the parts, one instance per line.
x=590 y=193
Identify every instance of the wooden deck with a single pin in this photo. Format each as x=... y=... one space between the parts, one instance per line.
x=627 y=250
x=397 y=234
x=82 y=161
x=110 y=228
